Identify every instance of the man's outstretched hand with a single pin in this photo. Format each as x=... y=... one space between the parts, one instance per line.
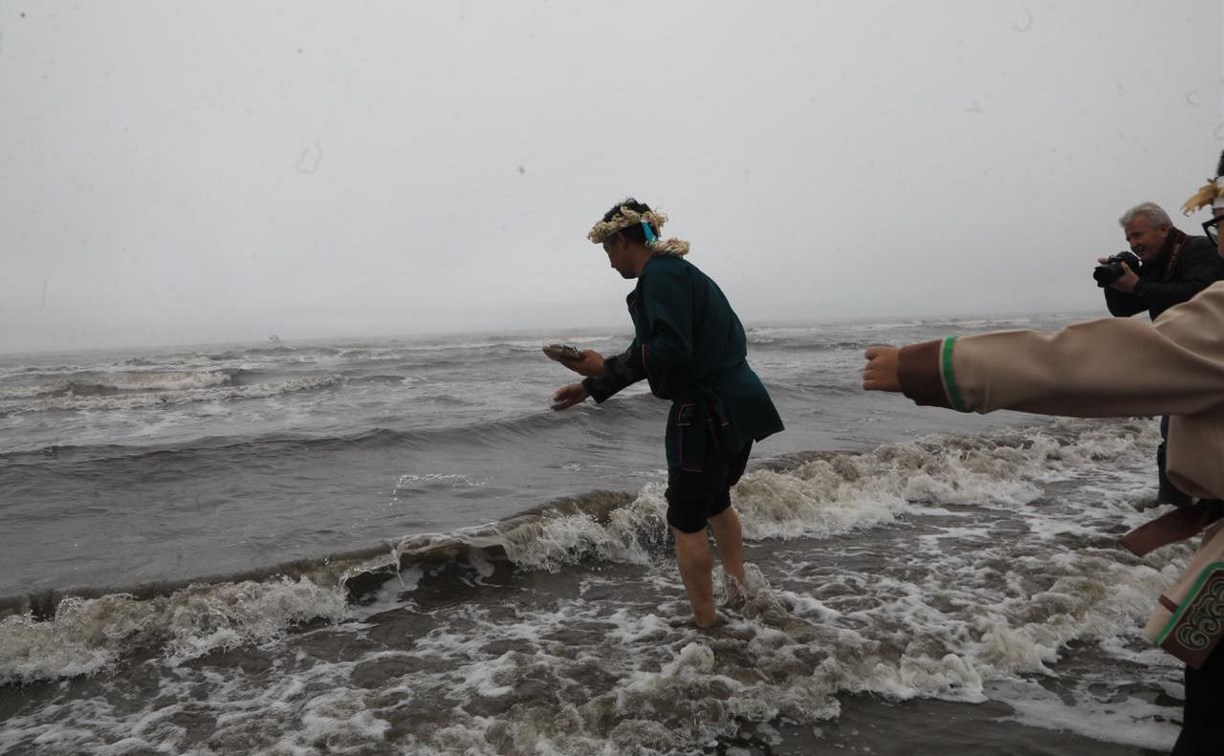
x=591 y=363
x=567 y=396
x=880 y=374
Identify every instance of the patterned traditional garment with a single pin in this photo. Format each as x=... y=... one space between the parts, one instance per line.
x=1108 y=368
x=1193 y=628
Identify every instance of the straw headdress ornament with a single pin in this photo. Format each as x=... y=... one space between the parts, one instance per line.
x=1210 y=194
x=653 y=219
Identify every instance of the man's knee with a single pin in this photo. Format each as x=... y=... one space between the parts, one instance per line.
x=692 y=548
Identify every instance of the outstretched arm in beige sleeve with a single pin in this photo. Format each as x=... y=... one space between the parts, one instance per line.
x=1101 y=368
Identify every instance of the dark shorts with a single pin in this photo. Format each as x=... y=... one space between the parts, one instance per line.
x=694 y=497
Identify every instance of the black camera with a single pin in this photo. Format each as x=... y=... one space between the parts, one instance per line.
x=1111 y=270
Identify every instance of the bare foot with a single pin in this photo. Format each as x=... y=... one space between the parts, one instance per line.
x=737 y=594
x=701 y=623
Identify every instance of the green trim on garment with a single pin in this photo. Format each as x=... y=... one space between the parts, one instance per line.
x=949 y=377
x=1203 y=577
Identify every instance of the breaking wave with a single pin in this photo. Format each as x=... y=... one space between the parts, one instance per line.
x=807 y=496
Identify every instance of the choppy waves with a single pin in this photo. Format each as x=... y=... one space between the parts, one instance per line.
x=91 y=635
x=141 y=390
x=962 y=568
x=814 y=496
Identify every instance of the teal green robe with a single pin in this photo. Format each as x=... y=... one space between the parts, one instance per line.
x=691 y=348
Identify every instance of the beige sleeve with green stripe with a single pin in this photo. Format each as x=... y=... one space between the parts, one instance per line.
x=927 y=374
x=1101 y=368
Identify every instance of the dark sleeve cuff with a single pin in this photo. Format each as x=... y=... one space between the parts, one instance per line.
x=598 y=389
x=918 y=371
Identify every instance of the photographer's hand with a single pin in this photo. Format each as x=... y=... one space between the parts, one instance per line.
x=1127 y=281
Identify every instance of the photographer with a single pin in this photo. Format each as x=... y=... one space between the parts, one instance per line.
x=1172 y=267
x=1167 y=267
x=1114 y=367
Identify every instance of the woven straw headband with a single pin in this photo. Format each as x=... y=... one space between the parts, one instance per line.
x=1209 y=195
x=629 y=217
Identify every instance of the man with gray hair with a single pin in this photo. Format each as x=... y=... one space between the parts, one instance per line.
x=1173 y=267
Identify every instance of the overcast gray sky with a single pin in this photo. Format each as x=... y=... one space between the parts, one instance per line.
x=180 y=172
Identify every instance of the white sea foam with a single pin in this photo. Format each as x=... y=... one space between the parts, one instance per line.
x=667 y=687
x=450 y=480
x=836 y=495
x=109 y=382
x=158 y=380
x=1123 y=719
x=89 y=635
x=892 y=593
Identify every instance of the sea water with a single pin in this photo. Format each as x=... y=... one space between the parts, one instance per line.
x=394 y=546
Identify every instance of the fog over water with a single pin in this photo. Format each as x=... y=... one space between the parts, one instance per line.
x=219 y=172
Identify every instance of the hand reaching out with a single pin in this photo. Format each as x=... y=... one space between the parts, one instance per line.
x=880 y=374
x=567 y=396
x=591 y=363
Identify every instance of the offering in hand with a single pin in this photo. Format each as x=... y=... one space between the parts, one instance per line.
x=563 y=352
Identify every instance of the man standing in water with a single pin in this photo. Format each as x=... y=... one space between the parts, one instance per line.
x=690 y=346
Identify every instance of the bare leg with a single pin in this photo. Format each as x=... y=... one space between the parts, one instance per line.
x=730 y=539
x=695 y=563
